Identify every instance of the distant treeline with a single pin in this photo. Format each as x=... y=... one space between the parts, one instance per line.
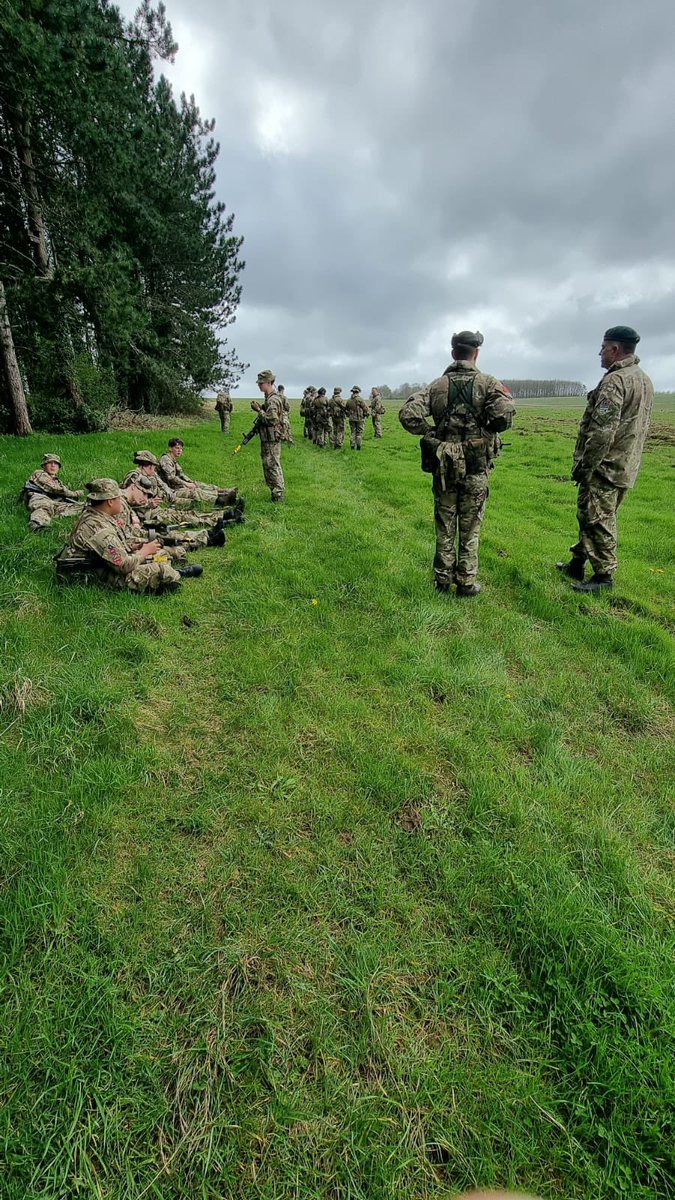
x=118 y=268
x=519 y=388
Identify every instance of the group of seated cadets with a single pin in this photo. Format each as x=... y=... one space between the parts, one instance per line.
x=131 y=536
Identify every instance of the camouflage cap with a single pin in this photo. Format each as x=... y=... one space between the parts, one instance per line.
x=356 y=388
x=47 y=458
x=102 y=489
x=145 y=458
x=266 y=376
x=337 y=391
x=622 y=333
x=467 y=338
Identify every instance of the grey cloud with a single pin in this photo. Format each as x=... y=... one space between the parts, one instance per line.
x=396 y=166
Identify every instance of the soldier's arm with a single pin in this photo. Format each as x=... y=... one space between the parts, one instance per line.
x=50 y=485
x=110 y=548
x=498 y=407
x=601 y=426
x=164 y=489
x=415 y=416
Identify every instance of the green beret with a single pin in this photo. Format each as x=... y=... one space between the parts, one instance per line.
x=622 y=333
x=102 y=489
x=467 y=338
x=265 y=377
x=146 y=458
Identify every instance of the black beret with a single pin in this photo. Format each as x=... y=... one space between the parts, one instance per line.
x=467 y=338
x=622 y=333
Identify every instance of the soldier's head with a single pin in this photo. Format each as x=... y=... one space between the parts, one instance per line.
x=51 y=464
x=321 y=392
x=618 y=343
x=146 y=461
x=135 y=495
x=104 y=496
x=356 y=390
x=337 y=391
x=175 y=447
x=265 y=381
x=374 y=393
x=465 y=345
x=281 y=389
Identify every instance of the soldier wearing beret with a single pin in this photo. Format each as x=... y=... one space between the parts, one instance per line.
x=47 y=497
x=607 y=456
x=457 y=417
x=97 y=535
x=270 y=428
x=357 y=411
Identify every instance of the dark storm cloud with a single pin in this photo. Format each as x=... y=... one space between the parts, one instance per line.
x=399 y=170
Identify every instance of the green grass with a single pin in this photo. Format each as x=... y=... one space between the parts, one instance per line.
x=361 y=898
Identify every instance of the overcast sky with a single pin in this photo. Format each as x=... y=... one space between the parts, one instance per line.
x=400 y=171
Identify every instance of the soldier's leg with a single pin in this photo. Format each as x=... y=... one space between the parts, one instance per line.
x=445 y=520
x=597 y=506
x=377 y=426
x=152 y=577
x=271 y=462
x=472 y=497
x=359 y=435
x=189 y=539
x=352 y=436
x=340 y=437
x=41 y=510
x=160 y=518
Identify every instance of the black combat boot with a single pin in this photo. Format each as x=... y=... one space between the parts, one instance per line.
x=595 y=584
x=216 y=537
x=226 y=496
x=191 y=571
x=574 y=569
x=468 y=589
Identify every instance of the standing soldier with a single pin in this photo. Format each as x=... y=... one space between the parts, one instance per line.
x=467 y=408
x=47 y=497
x=270 y=426
x=607 y=456
x=377 y=411
x=357 y=411
x=321 y=417
x=337 y=412
x=303 y=413
x=224 y=409
x=288 y=433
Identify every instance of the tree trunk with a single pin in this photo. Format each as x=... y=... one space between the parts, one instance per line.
x=17 y=399
x=36 y=224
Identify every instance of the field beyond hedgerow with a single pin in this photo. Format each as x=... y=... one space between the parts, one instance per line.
x=316 y=884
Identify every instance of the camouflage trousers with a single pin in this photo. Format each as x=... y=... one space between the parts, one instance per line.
x=43 y=509
x=286 y=432
x=598 y=502
x=356 y=440
x=160 y=518
x=377 y=425
x=307 y=432
x=224 y=422
x=147 y=577
x=458 y=513
x=202 y=493
x=338 y=434
x=270 y=453
x=321 y=434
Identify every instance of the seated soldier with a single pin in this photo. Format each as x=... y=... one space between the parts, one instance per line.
x=97 y=537
x=47 y=497
x=175 y=541
x=158 y=494
x=178 y=482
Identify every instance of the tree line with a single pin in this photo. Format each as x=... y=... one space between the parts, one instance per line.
x=119 y=269
x=519 y=388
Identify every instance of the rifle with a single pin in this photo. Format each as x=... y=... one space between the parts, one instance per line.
x=75 y=567
x=248 y=437
x=34 y=487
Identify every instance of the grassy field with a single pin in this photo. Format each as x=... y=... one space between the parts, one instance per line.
x=318 y=884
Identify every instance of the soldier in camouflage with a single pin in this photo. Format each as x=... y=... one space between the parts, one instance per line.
x=356 y=411
x=270 y=426
x=182 y=487
x=321 y=418
x=97 y=535
x=607 y=456
x=377 y=411
x=47 y=497
x=176 y=541
x=157 y=510
x=337 y=413
x=467 y=408
x=224 y=409
x=288 y=433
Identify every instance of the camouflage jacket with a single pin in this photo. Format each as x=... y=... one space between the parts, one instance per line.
x=271 y=419
x=99 y=534
x=336 y=408
x=321 y=411
x=615 y=424
x=53 y=487
x=356 y=409
x=152 y=485
x=483 y=407
x=132 y=530
x=223 y=402
x=377 y=407
x=172 y=473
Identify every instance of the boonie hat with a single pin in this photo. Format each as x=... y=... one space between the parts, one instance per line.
x=356 y=388
x=146 y=458
x=46 y=458
x=102 y=489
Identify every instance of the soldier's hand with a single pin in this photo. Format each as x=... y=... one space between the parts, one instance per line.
x=255 y=406
x=79 y=494
x=150 y=548
x=154 y=502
